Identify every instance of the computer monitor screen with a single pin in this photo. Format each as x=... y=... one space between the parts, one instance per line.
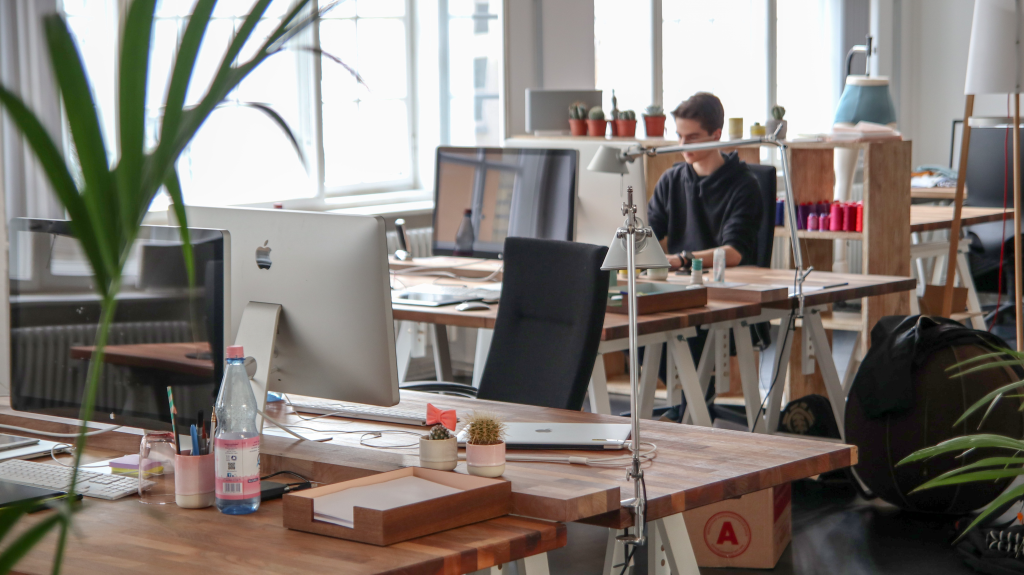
x=511 y=192
x=163 y=334
x=329 y=272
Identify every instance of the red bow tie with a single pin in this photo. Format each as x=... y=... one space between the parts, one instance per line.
x=445 y=417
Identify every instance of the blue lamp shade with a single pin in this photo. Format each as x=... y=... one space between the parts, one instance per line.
x=866 y=99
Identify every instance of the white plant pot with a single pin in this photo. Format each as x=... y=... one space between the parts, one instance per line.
x=771 y=125
x=440 y=454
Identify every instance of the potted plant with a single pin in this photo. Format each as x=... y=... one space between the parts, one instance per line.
x=439 y=449
x=596 y=124
x=771 y=125
x=578 y=119
x=654 y=121
x=625 y=124
x=485 y=445
x=614 y=115
x=107 y=202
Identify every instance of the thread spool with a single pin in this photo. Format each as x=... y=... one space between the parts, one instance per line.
x=823 y=222
x=812 y=222
x=850 y=217
x=835 y=218
x=801 y=216
x=860 y=216
x=780 y=212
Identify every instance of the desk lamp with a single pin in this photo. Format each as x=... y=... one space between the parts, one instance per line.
x=633 y=247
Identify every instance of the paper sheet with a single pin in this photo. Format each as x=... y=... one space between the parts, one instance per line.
x=337 y=507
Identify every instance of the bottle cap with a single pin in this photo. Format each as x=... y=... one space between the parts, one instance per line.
x=697 y=264
x=235 y=352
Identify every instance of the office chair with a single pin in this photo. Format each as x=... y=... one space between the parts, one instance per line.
x=553 y=299
x=767 y=181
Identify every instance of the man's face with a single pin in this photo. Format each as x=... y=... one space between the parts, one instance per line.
x=690 y=132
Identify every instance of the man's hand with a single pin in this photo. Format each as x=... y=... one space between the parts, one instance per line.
x=675 y=262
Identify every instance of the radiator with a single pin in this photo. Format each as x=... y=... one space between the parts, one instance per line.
x=420 y=242
x=42 y=367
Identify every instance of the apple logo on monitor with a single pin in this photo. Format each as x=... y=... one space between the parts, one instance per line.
x=263 y=256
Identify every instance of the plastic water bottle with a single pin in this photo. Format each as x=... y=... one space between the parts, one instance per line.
x=236 y=442
x=719 y=265
x=465 y=237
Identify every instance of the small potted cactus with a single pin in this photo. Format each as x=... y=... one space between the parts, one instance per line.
x=778 y=112
x=596 y=124
x=578 y=119
x=614 y=115
x=625 y=124
x=439 y=449
x=654 y=121
x=485 y=445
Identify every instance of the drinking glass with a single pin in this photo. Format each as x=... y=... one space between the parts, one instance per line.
x=156 y=485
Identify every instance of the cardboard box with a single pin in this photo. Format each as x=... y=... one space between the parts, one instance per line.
x=751 y=531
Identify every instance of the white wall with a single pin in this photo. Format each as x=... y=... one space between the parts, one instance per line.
x=549 y=44
x=932 y=38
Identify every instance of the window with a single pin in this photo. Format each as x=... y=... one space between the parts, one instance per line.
x=356 y=138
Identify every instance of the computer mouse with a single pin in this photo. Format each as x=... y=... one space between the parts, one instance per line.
x=473 y=306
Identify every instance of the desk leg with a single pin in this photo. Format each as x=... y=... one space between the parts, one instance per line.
x=748 y=371
x=483 y=348
x=704 y=369
x=692 y=389
x=649 y=379
x=778 y=385
x=836 y=395
x=598 y=391
x=721 y=350
x=679 y=557
x=973 y=305
x=403 y=347
x=534 y=565
x=613 y=553
x=442 y=357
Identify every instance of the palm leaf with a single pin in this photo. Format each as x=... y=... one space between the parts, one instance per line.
x=962 y=444
x=273 y=115
x=26 y=541
x=989 y=365
x=987 y=398
x=1006 y=497
x=986 y=475
x=173 y=185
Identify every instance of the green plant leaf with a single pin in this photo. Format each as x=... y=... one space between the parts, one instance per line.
x=998 y=352
x=964 y=443
x=273 y=115
x=132 y=79
x=173 y=185
x=26 y=541
x=337 y=60
x=988 y=462
x=990 y=365
x=1007 y=496
x=987 y=398
x=970 y=477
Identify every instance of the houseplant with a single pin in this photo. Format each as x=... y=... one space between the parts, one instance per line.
x=625 y=124
x=107 y=202
x=614 y=115
x=578 y=119
x=596 y=124
x=654 y=121
x=439 y=449
x=778 y=112
x=485 y=445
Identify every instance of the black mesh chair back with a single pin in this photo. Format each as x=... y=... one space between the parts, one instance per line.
x=553 y=299
x=766 y=180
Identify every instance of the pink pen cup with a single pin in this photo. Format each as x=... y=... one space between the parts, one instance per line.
x=194 y=481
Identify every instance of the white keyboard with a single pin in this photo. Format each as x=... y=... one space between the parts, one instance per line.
x=58 y=477
x=359 y=411
x=485 y=293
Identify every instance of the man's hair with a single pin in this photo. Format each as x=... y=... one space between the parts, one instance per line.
x=704 y=107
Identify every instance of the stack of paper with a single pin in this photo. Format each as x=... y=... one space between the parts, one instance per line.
x=863 y=131
x=337 y=507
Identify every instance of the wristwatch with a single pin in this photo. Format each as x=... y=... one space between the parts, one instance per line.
x=686 y=259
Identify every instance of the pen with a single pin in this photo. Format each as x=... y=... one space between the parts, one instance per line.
x=174 y=427
x=195 y=439
x=202 y=433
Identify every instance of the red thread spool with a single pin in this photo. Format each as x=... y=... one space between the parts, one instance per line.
x=812 y=222
x=849 y=217
x=860 y=216
x=823 y=222
x=835 y=217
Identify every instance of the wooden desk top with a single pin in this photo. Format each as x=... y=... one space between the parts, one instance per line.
x=934 y=194
x=466 y=267
x=162 y=356
x=124 y=536
x=857 y=285
x=925 y=218
x=695 y=465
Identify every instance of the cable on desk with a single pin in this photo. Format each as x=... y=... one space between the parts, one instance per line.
x=71 y=451
x=372 y=433
x=55 y=434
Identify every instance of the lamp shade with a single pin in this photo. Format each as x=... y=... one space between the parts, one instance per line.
x=866 y=99
x=648 y=255
x=994 y=63
x=608 y=160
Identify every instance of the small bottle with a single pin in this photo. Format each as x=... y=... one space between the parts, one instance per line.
x=465 y=237
x=718 y=269
x=237 y=440
x=697 y=272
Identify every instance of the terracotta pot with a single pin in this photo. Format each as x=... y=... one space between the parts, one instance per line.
x=614 y=124
x=626 y=128
x=441 y=454
x=597 y=127
x=486 y=460
x=654 y=126
x=578 y=127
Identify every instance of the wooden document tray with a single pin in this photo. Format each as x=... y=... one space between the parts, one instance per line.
x=481 y=499
x=656 y=297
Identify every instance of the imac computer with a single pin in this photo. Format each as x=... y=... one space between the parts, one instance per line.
x=163 y=334
x=511 y=192
x=329 y=272
x=598 y=210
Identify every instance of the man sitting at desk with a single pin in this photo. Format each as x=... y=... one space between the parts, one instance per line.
x=709 y=201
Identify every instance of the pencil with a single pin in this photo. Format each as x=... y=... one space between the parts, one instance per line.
x=174 y=427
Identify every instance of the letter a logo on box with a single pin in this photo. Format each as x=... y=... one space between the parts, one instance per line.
x=727 y=534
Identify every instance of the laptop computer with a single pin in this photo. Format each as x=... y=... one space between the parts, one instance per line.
x=563 y=435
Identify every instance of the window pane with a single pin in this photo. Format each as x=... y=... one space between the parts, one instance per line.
x=809 y=83
x=735 y=33
x=379 y=8
x=366 y=142
x=474 y=72
x=620 y=56
x=93 y=25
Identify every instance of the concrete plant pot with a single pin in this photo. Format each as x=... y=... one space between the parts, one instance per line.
x=486 y=460
x=440 y=454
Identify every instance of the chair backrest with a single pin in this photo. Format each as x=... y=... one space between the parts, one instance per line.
x=989 y=169
x=766 y=180
x=553 y=300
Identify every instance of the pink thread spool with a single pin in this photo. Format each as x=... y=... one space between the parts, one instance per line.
x=850 y=217
x=823 y=222
x=860 y=216
x=835 y=217
x=812 y=222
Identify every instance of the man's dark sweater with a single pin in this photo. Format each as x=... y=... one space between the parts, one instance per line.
x=699 y=213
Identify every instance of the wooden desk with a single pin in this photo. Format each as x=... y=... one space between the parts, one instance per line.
x=173 y=357
x=922 y=219
x=466 y=267
x=943 y=194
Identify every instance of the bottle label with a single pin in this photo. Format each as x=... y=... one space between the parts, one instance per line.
x=238 y=468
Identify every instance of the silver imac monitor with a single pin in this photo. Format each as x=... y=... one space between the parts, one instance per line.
x=329 y=272
x=511 y=192
x=163 y=334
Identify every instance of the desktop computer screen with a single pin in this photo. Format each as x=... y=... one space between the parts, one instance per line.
x=511 y=192
x=163 y=333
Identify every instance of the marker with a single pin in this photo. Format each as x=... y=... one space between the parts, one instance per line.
x=195 y=439
x=174 y=427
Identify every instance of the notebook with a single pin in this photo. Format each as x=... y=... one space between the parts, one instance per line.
x=338 y=507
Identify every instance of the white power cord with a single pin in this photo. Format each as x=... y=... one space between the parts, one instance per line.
x=55 y=434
